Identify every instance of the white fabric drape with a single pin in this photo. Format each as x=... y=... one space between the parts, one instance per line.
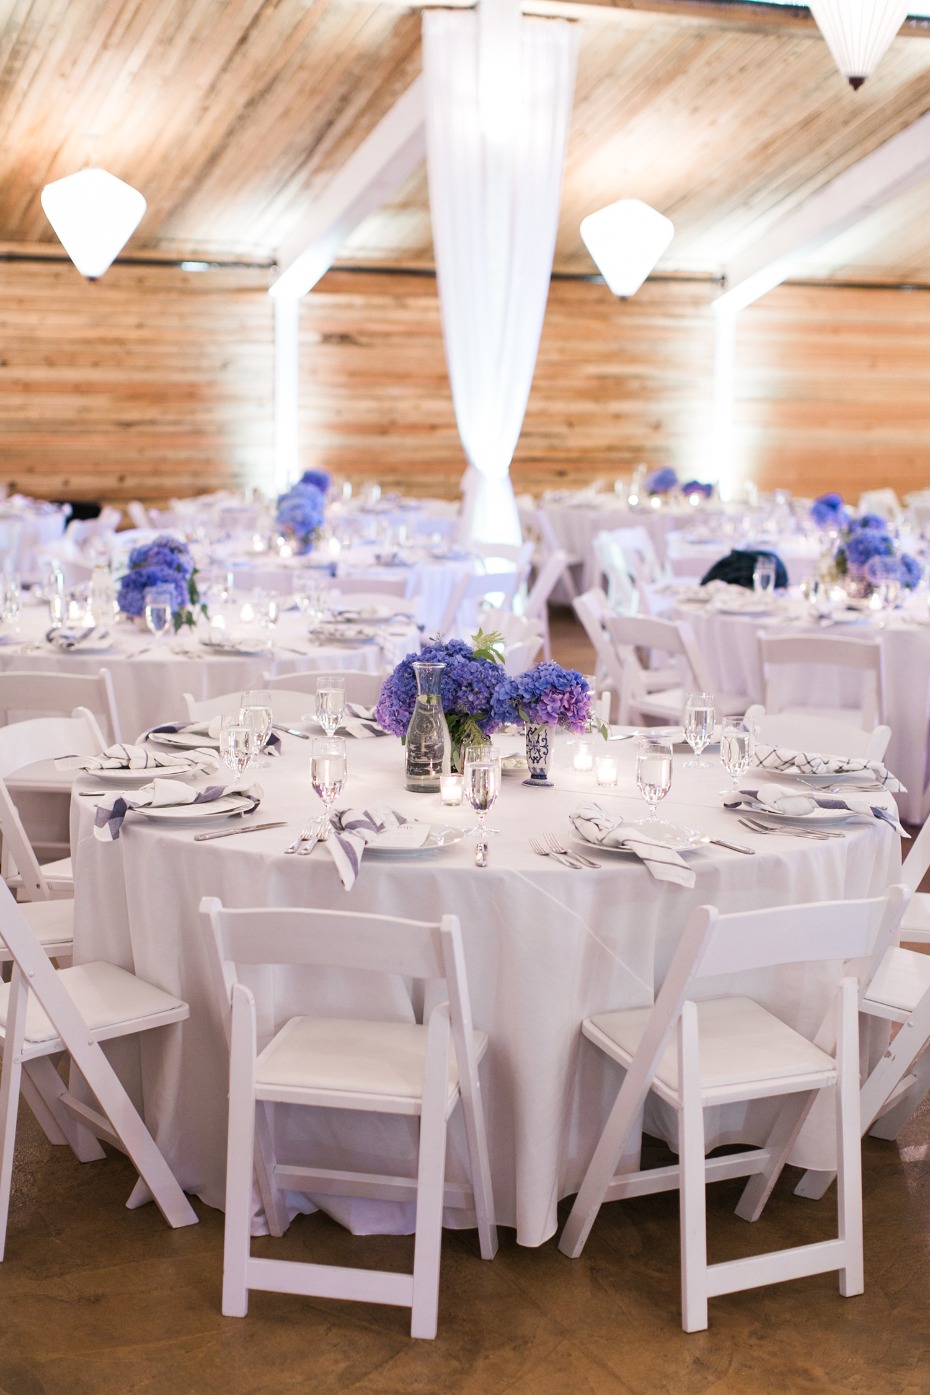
x=494 y=203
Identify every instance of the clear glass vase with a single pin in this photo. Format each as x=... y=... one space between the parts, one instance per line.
x=428 y=745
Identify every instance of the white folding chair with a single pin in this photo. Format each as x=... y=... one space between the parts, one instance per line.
x=880 y=501
x=330 y=1063
x=646 y=693
x=539 y=523
x=363 y=688
x=544 y=583
x=861 y=658
x=695 y=1053
x=496 y=590
x=400 y=585
x=622 y=595
x=45 y=1011
x=523 y=639
x=31 y=694
x=825 y=735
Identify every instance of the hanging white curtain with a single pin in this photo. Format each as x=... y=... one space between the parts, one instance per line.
x=495 y=152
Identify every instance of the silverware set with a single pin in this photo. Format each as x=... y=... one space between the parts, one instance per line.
x=790 y=830
x=307 y=839
x=559 y=853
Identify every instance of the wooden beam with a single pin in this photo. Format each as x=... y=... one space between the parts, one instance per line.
x=369 y=177
x=871 y=182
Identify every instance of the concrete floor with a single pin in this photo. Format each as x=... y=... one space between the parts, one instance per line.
x=98 y=1300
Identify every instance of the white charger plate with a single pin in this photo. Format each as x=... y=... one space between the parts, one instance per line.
x=128 y=779
x=683 y=840
x=845 y=777
x=816 y=816
x=245 y=649
x=187 y=740
x=440 y=836
x=198 y=813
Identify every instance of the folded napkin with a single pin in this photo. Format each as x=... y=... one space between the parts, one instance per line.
x=123 y=757
x=210 y=731
x=61 y=638
x=596 y=826
x=163 y=794
x=815 y=763
x=352 y=830
x=360 y=721
x=775 y=799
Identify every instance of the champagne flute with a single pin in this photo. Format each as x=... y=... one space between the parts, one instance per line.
x=157 y=602
x=653 y=775
x=699 y=726
x=327 y=773
x=237 y=744
x=736 y=750
x=330 y=702
x=255 y=711
x=482 y=783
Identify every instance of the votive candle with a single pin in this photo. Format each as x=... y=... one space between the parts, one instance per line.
x=583 y=759
x=606 y=770
x=450 y=788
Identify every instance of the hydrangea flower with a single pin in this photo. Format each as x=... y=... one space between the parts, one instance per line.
x=697 y=487
x=871 y=521
x=910 y=571
x=661 y=481
x=829 y=511
x=320 y=479
x=165 y=561
x=865 y=544
x=300 y=511
x=547 y=695
x=467 y=688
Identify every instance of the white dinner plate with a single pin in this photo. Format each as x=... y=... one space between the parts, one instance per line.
x=440 y=836
x=128 y=779
x=187 y=740
x=83 y=648
x=747 y=609
x=514 y=765
x=825 y=816
x=335 y=632
x=846 y=777
x=247 y=649
x=198 y=813
x=681 y=840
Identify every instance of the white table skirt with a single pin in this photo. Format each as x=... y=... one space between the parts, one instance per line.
x=544 y=946
x=729 y=646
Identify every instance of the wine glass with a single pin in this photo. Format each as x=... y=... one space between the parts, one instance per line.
x=327 y=773
x=699 y=726
x=763 y=575
x=482 y=784
x=330 y=702
x=653 y=775
x=736 y=750
x=237 y=744
x=255 y=711
x=157 y=607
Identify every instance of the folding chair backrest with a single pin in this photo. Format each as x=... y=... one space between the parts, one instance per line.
x=622 y=594
x=632 y=632
x=499 y=587
x=35 y=694
x=803 y=732
x=27 y=743
x=545 y=582
x=861 y=655
x=363 y=688
x=591 y=608
x=401 y=585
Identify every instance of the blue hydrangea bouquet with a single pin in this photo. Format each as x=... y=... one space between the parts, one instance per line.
x=471 y=677
x=164 y=562
x=301 y=509
x=866 y=552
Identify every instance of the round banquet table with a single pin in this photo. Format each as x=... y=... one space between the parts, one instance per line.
x=544 y=947
x=150 y=680
x=729 y=646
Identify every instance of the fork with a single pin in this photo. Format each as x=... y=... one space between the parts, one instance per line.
x=305 y=833
x=566 y=861
x=789 y=830
x=556 y=847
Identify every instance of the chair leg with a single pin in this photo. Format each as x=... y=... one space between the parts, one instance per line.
x=892 y=1121
x=240 y=1143
x=264 y=1163
x=9 y=1102
x=692 y=1185
x=904 y=1049
x=479 y=1167
x=431 y=1173
x=779 y=1143
x=848 y=1143
x=614 y=1144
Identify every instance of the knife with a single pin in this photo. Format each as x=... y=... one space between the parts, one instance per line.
x=231 y=832
x=291 y=731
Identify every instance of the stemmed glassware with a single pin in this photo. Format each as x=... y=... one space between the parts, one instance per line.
x=482 y=783
x=763 y=575
x=255 y=711
x=330 y=702
x=653 y=776
x=699 y=726
x=237 y=744
x=736 y=749
x=157 y=603
x=328 y=773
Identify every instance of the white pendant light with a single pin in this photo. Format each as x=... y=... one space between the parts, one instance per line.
x=858 y=32
x=94 y=215
x=626 y=239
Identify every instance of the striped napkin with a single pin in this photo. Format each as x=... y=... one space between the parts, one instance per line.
x=163 y=794
x=360 y=721
x=61 y=638
x=210 y=731
x=128 y=757
x=351 y=830
x=775 y=799
x=663 y=863
x=815 y=763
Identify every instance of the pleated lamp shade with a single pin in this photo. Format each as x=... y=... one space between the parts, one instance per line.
x=858 y=32
x=626 y=239
x=94 y=215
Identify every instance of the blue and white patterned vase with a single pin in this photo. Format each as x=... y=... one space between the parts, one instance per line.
x=538 y=755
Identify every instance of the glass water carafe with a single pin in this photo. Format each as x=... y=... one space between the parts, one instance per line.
x=428 y=747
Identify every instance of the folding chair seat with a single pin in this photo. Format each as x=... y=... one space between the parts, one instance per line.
x=45 y=1011
x=423 y=1070
x=363 y=688
x=695 y=1053
x=830 y=736
x=781 y=657
x=647 y=694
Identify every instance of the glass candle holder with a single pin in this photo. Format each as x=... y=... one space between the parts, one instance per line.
x=606 y=771
x=583 y=758
x=450 y=789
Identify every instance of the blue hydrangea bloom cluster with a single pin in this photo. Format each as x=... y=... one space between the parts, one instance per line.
x=868 y=551
x=697 y=487
x=829 y=511
x=467 y=687
x=547 y=695
x=300 y=510
x=166 y=561
x=320 y=479
x=661 y=481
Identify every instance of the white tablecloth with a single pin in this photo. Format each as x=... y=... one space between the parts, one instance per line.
x=544 y=947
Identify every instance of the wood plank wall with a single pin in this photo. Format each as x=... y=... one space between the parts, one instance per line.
x=149 y=383
x=156 y=382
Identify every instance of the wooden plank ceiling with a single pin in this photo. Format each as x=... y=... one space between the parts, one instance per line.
x=232 y=115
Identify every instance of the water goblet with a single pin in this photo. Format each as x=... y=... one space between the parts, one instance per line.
x=699 y=726
x=653 y=776
x=158 y=603
x=330 y=702
x=482 y=783
x=328 y=772
x=237 y=744
x=255 y=711
x=736 y=750
x=763 y=575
